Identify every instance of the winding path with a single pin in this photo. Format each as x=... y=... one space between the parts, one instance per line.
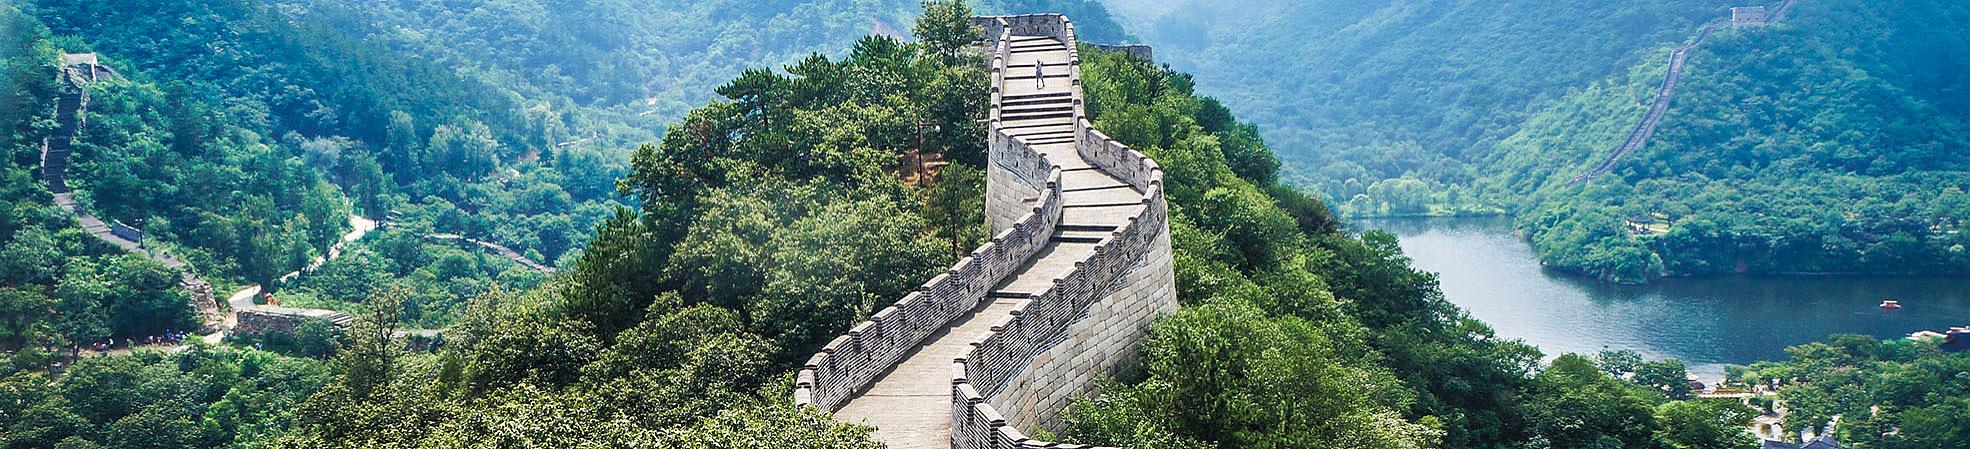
x=1664 y=94
x=1095 y=203
x=497 y=249
x=55 y=154
x=1060 y=297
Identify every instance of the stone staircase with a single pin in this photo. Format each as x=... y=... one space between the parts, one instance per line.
x=1061 y=296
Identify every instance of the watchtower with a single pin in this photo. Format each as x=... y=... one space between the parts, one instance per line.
x=1748 y=16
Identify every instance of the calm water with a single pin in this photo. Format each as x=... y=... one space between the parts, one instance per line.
x=1706 y=322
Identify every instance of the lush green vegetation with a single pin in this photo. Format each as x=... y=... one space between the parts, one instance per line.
x=1888 y=394
x=641 y=66
x=59 y=287
x=199 y=398
x=1385 y=112
x=442 y=276
x=318 y=103
x=1294 y=334
x=700 y=268
x=768 y=224
x=1829 y=143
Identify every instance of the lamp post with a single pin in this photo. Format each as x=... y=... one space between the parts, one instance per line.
x=922 y=172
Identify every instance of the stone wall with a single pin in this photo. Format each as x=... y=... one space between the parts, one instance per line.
x=1137 y=51
x=266 y=318
x=1107 y=339
x=1093 y=320
x=1010 y=191
x=850 y=362
x=1055 y=346
x=253 y=322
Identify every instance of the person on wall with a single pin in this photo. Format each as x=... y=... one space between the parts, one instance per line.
x=1040 y=74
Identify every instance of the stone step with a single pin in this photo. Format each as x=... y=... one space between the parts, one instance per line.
x=1006 y=98
x=1030 y=110
x=1033 y=127
x=1038 y=102
x=1009 y=118
x=1097 y=188
x=1028 y=67
x=1053 y=261
x=1080 y=236
x=1085 y=227
x=1104 y=215
x=1050 y=135
x=1102 y=204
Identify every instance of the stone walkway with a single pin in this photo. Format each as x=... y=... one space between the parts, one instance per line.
x=1663 y=95
x=910 y=405
x=497 y=249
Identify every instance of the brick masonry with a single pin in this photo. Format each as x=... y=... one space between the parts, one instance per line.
x=1062 y=336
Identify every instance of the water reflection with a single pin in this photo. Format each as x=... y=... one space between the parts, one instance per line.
x=1706 y=322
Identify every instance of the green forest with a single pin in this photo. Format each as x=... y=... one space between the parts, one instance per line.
x=1831 y=142
x=720 y=202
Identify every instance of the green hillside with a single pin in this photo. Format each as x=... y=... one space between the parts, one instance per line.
x=1382 y=105
x=1830 y=142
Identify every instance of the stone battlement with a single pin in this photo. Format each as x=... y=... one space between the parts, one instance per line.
x=1748 y=16
x=1079 y=265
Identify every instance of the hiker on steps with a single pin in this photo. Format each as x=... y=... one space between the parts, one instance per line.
x=1040 y=74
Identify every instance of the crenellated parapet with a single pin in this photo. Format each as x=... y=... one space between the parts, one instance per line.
x=1063 y=294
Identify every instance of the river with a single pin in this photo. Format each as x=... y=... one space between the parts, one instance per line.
x=1705 y=322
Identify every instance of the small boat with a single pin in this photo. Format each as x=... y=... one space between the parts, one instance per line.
x=1890 y=304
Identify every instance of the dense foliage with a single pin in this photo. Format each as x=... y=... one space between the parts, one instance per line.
x=768 y=224
x=200 y=398
x=1294 y=334
x=1887 y=394
x=1831 y=142
x=1386 y=109
x=756 y=228
x=642 y=65
x=442 y=276
x=59 y=287
x=302 y=99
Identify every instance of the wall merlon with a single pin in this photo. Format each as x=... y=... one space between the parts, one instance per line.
x=1055 y=344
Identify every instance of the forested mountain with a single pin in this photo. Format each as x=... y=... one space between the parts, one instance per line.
x=1394 y=99
x=1829 y=142
x=1832 y=142
x=644 y=63
x=243 y=132
x=704 y=253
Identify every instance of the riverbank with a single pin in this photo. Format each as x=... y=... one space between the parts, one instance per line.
x=1708 y=322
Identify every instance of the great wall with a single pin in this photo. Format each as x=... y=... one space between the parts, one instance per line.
x=1061 y=296
x=1741 y=17
x=240 y=314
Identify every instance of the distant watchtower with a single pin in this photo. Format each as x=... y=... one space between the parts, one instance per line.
x=1748 y=16
x=84 y=68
